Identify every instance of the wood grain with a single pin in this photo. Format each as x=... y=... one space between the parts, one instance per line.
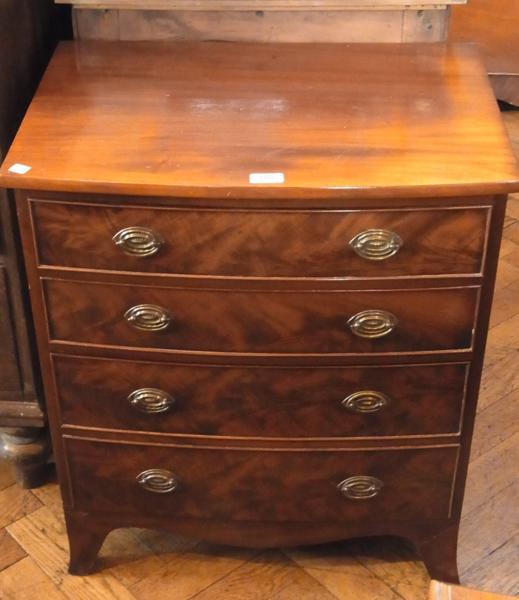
x=297 y=486
x=375 y=25
x=263 y=243
x=310 y=322
x=16 y=503
x=11 y=551
x=244 y=491
x=262 y=402
x=25 y=581
x=186 y=125
x=498 y=42
x=444 y=591
x=43 y=537
x=257 y=4
x=173 y=563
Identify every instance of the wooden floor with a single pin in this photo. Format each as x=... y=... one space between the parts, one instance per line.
x=141 y=564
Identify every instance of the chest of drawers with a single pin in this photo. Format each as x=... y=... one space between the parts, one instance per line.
x=285 y=362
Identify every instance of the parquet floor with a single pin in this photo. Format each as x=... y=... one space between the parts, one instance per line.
x=146 y=565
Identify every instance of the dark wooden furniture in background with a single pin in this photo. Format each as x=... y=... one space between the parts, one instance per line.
x=287 y=362
x=26 y=42
x=494 y=26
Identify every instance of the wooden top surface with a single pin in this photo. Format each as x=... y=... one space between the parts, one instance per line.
x=196 y=119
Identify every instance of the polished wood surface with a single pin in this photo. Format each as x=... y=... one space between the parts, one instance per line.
x=254 y=322
x=268 y=243
x=149 y=565
x=242 y=486
x=242 y=321
x=261 y=402
x=167 y=119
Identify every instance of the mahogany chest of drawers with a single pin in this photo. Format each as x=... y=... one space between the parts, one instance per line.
x=261 y=277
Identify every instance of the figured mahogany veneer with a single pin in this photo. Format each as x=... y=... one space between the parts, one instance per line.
x=261 y=401
x=277 y=322
x=264 y=364
x=255 y=485
x=263 y=243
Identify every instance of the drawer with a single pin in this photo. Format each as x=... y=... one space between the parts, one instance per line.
x=260 y=401
x=303 y=322
x=261 y=243
x=261 y=485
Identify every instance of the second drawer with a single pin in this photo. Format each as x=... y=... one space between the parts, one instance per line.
x=260 y=401
x=267 y=322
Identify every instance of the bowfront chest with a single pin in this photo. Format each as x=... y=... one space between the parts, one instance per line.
x=261 y=276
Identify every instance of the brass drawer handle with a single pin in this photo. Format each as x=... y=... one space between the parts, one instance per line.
x=148 y=317
x=376 y=244
x=151 y=401
x=360 y=487
x=158 y=481
x=372 y=323
x=366 y=402
x=138 y=241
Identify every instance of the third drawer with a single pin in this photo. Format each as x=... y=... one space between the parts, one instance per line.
x=216 y=400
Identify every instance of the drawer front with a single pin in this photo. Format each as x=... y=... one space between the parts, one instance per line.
x=261 y=322
x=255 y=485
x=260 y=401
x=262 y=243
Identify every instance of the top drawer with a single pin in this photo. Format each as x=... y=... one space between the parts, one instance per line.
x=261 y=243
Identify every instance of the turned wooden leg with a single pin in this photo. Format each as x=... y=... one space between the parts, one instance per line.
x=85 y=538
x=27 y=450
x=439 y=553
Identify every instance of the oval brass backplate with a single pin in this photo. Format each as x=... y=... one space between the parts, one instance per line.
x=148 y=317
x=376 y=244
x=151 y=400
x=366 y=402
x=360 y=487
x=158 y=481
x=372 y=323
x=138 y=241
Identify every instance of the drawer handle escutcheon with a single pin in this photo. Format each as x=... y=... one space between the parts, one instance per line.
x=372 y=323
x=138 y=241
x=360 y=487
x=366 y=402
x=158 y=481
x=148 y=317
x=376 y=244
x=151 y=400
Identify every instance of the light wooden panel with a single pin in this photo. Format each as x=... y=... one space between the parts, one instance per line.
x=284 y=26
x=261 y=4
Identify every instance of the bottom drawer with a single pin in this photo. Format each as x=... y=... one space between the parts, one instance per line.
x=261 y=485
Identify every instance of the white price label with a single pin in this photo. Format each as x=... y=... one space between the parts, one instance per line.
x=267 y=178
x=19 y=169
